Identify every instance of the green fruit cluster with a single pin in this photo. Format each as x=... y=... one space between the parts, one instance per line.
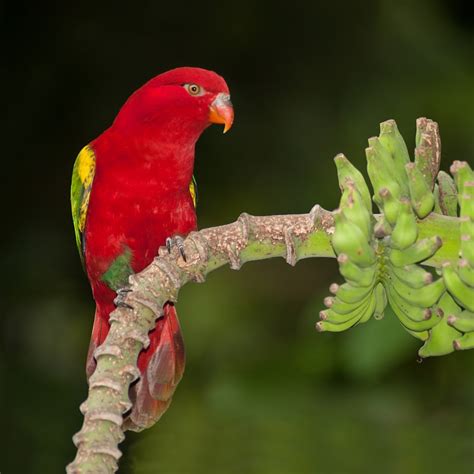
x=362 y=295
x=459 y=277
x=380 y=256
x=395 y=179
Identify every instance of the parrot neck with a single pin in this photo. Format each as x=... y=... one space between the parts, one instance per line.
x=167 y=123
x=149 y=153
x=156 y=131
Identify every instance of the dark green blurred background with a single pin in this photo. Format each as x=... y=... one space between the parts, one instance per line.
x=263 y=392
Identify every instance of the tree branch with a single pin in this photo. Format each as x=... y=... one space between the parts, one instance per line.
x=249 y=238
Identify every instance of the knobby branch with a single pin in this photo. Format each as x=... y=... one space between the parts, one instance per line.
x=250 y=238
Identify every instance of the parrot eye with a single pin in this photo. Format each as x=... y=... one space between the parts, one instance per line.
x=194 y=89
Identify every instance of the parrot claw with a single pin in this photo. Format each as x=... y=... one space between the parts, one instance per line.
x=179 y=242
x=119 y=300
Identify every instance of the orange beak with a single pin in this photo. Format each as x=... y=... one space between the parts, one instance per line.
x=221 y=111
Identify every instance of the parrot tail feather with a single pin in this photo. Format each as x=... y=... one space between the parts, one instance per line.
x=161 y=366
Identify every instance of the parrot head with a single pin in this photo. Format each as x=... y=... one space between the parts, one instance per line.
x=182 y=101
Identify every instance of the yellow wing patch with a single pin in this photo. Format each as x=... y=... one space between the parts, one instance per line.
x=86 y=171
x=82 y=178
x=193 y=191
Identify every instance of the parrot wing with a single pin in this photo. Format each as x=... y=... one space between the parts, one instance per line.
x=81 y=186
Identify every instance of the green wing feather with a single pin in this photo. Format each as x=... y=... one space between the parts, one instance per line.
x=81 y=186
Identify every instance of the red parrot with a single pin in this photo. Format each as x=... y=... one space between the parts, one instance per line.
x=132 y=189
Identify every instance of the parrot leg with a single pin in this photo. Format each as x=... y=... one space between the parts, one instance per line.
x=179 y=242
x=119 y=300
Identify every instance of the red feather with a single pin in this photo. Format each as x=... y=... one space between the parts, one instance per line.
x=140 y=196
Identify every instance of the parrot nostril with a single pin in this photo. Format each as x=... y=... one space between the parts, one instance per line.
x=225 y=98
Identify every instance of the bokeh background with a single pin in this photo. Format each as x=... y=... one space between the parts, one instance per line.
x=263 y=392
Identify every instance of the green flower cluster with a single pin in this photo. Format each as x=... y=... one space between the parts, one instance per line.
x=380 y=256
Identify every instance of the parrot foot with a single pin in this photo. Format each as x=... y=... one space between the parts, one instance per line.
x=119 y=300
x=179 y=242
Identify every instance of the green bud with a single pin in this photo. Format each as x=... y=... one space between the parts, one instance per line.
x=418 y=252
x=387 y=164
x=466 y=272
x=380 y=177
x=390 y=205
x=464 y=342
x=464 y=321
x=405 y=231
x=380 y=301
x=446 y=197
x=442 y=336
x=353 y=207
x=354 y=274
x=422 y=198
x=391 y=138
x=346 y=171
x=462 y=172
x=462 y=293
x=412 y=275
x=350 y=240
x=383 y=154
